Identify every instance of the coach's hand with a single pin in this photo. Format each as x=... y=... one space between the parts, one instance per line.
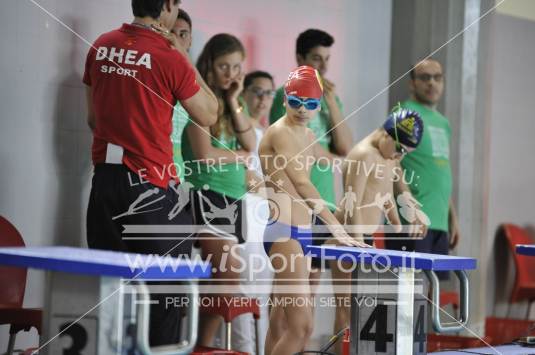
x=171 y=37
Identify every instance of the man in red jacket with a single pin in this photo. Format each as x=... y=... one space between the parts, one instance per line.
x=135 y=75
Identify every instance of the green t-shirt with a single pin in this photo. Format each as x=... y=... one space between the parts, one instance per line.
x=321 y=176
x=428 y=167
x=226 y=179
x=180 y=120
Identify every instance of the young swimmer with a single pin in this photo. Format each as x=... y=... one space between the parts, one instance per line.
x=370 y=171
x=285 y=149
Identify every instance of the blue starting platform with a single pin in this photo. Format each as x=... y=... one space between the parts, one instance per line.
x=104 y=263
x=99 y=301
x=394 y=258
x=400 y=282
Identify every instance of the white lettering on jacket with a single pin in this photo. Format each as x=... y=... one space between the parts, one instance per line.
x=120 y=56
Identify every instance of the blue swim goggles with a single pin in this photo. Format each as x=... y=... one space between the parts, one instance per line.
x=296 y=102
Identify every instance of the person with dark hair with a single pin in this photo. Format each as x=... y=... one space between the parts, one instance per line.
x=250 y=77
x=150 y=8
x=430 y=166
x=313 y=48
x=183 y=15
x=308 y=48
x=215 y=165
x=182 y=29
x=258 y=93
x=134 y=77
x=182 y=32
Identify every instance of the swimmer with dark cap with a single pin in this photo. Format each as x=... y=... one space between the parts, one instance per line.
x=287 y=152
x=369 y=172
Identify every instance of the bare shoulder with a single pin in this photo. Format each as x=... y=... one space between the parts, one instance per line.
x=265 y=137
x=280 y=132
x=274 y=129
x=364 y=152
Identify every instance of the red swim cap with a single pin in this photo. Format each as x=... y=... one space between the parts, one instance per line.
x=304 y=82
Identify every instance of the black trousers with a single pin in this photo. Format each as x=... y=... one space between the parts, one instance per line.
x=114 y=189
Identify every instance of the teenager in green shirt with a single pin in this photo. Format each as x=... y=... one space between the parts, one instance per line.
x=182 y=32
x=214 y=164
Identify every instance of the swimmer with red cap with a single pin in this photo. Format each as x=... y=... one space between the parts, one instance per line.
x=287 y=152
x=370 y=171
x=303 y=92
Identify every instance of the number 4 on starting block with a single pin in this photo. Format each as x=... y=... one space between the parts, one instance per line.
x=394 y=324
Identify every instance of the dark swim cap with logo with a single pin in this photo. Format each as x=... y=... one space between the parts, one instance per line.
x=405 y=126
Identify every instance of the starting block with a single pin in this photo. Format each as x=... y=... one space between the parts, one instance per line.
x=396 y=323
x=97 y=301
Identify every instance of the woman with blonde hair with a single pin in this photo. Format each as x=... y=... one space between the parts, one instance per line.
x=215 y=164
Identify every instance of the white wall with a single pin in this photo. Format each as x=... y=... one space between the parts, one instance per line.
x=359 y=58
x=45 y=144
x=518 y=8
x=512 y=169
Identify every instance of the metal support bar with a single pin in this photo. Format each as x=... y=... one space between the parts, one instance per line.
x=464 y=301
x=143 y=314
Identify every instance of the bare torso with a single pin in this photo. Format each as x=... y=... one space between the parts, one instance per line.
x=365 y=161
x=286 y=205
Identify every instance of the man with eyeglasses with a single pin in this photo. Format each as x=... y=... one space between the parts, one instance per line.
x=258 y=93
x=370 y=171
x=257 y=97
x=427 y=169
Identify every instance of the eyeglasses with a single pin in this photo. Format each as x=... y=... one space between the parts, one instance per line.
x=427 y=77
x=258 y=92
x=296 y=102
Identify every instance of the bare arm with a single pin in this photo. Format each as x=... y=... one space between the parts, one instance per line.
x=202 y=107
x=453 y=226
x=90 y=111
x=342 y=137
x=243 y=127
x=401 y=187
x=284 y=144
x=203 y=149
x=357 y=181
